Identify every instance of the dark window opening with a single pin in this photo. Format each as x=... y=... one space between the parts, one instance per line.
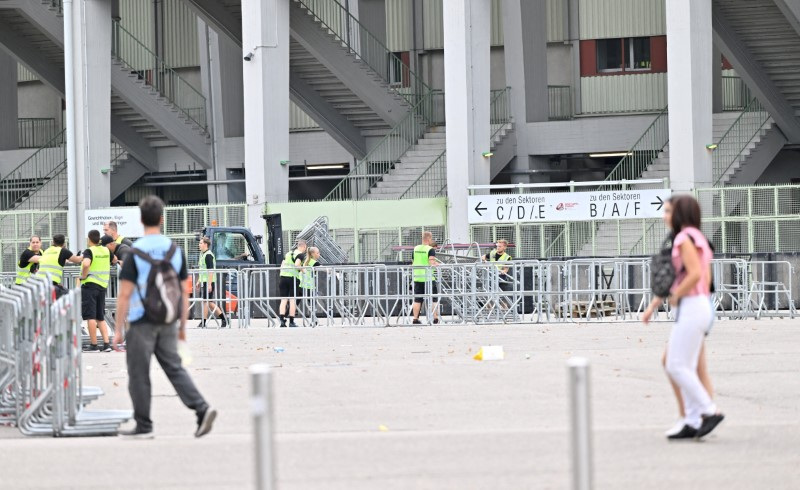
x=609 y=55
x=638 y=53
x=623 y=54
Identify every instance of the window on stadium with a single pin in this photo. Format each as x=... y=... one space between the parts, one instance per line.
x=638 y=53
x=623 y=54
x=609 y=55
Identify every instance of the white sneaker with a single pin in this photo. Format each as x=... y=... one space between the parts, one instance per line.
x=675 y=428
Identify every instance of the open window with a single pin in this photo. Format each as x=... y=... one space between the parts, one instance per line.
x=230 y=245
x=630 y=54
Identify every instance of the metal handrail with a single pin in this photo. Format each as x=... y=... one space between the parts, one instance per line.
x=735 y=93
x=434 y=177
x=646 y=149
x=737 y=138
x=428 y=182
x=382 y=158
x=154 y=72
x=499 y=111
x=33 y=132
x=559 y=101
x=38 y=166
x=334 y=17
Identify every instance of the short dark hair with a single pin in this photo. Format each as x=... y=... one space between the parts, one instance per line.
x=94 y=236
x=59 y=240
x=112 y=225
x=152 y=208
x=685 y=213
x=105 y=240
x=206 y=240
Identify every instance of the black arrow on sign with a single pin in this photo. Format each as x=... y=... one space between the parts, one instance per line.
x=478 y=209
x=659 y=203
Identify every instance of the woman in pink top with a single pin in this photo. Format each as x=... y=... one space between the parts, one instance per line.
x=690 y=295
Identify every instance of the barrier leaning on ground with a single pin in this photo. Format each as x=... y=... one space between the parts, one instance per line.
x=603 y=290
x=40 y=365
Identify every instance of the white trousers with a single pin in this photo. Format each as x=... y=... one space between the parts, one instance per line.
x=685 y=341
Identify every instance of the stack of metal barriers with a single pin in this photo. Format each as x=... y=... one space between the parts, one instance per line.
x=316 y=235
x=40 y=365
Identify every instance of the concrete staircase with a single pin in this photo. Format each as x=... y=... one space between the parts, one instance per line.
x=761 y=38
x=411 y=166
x=338 y=72
x=142 y=118
x=659 y=169
x=624 y=237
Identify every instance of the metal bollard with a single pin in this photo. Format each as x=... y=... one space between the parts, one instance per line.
x=261 y=406
x=581 y=423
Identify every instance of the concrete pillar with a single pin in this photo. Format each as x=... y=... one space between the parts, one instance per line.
x=91 y=23
x=689 y=90
x=525 y=34
x=265 y=34
x=211 y=80
x=466 y=88
x=8 y=96
x=716 y=79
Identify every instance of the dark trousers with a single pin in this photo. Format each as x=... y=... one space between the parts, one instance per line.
x=143 y=340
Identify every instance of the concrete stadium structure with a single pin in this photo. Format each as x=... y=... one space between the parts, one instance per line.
x=267 y=102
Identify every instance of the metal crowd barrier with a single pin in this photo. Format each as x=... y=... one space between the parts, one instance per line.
x=473 y=292
x=40 y=365
x=317 y=235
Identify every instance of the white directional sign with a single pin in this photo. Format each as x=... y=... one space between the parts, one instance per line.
x=129 y=220
x=567 y=206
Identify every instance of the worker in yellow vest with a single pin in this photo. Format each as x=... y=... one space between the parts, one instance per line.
x=95 y=273
x=53 y=261
x=29 y=260
x=499 y=254
x=423 y=263
x=205 y=283
x=289 y=281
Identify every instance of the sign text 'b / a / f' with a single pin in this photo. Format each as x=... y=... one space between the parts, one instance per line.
x=567 y=206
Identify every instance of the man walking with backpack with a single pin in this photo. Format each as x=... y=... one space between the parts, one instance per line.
x=156 y=307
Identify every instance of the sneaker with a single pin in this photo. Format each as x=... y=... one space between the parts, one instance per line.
x=435 y=321
x=107 y=348
x=675 y=428
x=92 y=348
x=292 y=324
x=201 y=324
x=205 y=422
x=224 y=321
x=137 y=433
x=416 y=321
x=686 y=432
x=709 y=423
x=283 y=325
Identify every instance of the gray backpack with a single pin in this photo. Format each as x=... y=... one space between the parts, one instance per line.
x=662 y=272
x=162 y=300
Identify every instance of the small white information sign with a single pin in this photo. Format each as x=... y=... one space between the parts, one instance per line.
x=128 y=219
x=568 y=206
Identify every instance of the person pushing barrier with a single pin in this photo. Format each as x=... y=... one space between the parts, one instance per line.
x=499 y=254
x=205 y=282
x=423 y=262
x=288 y=282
